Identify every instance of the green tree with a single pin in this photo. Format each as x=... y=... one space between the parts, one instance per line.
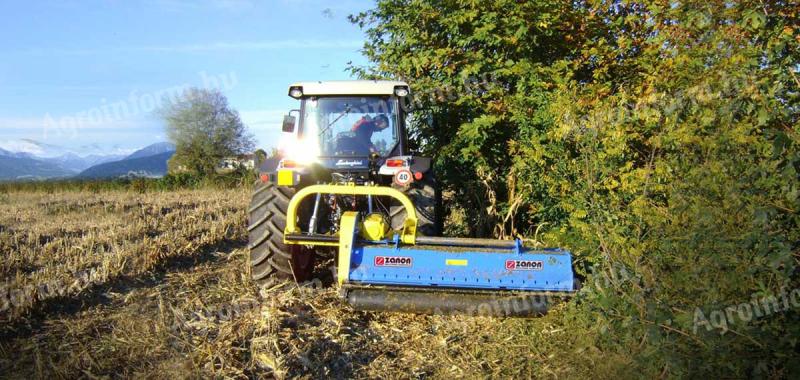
x=682 y=171
x=657 y=140
x=470 y=64
x=204 y=130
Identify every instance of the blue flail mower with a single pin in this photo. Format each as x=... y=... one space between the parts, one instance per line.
x=385 y=269
x=452 y=275
x=513 y=269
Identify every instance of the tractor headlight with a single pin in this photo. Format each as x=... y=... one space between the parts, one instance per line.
x=401 y=91
x=296 y=92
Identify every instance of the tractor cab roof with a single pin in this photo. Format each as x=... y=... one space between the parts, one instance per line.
x=347 y=87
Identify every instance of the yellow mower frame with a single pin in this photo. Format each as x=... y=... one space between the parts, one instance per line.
x=407 y=235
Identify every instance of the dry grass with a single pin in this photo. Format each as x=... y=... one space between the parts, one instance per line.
x=118 y=284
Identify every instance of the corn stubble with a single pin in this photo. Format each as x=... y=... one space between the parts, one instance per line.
x=154 y=285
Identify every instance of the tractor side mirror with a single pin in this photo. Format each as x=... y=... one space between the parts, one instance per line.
x=288 y=123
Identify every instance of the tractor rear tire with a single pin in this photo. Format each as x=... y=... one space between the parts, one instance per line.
x=427 y=201
x=272 y=261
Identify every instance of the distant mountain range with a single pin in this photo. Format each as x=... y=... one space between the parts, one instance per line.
x=152 y=150
x=37 y=149
x=150 y=161
x=26 y=168
x=30 y=160
x=76 y=163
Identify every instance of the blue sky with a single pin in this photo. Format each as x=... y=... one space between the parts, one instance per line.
x=82 y=73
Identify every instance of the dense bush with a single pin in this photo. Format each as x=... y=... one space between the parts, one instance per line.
x=657 y=140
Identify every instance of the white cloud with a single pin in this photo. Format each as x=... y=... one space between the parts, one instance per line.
x=22 y=146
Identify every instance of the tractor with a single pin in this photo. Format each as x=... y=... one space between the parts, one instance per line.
x=348 y=181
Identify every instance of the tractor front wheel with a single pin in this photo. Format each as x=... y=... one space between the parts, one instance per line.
x=271 y=260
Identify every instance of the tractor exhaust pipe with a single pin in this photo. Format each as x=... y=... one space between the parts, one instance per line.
x=446 y=301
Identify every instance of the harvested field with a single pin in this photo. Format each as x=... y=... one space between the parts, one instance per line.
x=155 y=285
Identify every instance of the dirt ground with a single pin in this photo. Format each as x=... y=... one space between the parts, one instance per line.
x=155 y=285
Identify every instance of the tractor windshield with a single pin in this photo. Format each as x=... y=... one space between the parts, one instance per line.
x=351 y=126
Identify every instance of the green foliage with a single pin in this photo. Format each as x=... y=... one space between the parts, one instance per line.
x=657 y=140
x=204 y=130
x=481 y=72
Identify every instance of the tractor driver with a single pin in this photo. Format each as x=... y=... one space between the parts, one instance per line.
x=366 y=126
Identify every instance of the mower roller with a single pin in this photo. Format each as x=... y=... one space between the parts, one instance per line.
x=379 y=209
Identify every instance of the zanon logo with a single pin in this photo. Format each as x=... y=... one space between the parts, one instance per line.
x=393 y=261
x=524 y=265
x=349 y=163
